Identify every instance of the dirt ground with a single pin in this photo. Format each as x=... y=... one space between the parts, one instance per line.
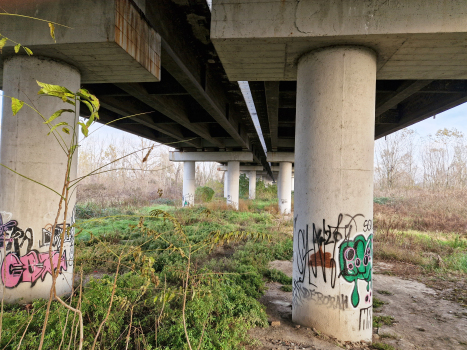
x=424 y=317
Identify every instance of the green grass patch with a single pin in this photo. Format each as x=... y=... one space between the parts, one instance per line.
x=378 y=321
x=287 y=288
x=384 y=292
x=382 y=346
x=377 y=303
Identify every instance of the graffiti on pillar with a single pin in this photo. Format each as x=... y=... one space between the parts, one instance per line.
x=188 y=199
x=24 y=264
x=355 y=261
x=30 y=267
x=68 y=237
x=301 y=293
x=365 y=321
x=320 y=251
x=230 y=201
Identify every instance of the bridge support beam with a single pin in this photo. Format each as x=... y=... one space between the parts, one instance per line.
x=252 y=187
x=233 y=185
x=28 y=210
x=189 y=183
x=284 y=188
x=333 y=202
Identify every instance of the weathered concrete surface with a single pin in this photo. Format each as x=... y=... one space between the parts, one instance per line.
x=28 y=210
x=189 y=184
x=108 y=40
x=280 y=157
x=285 y=188
x=415 y=39
x=333 y=208
x=233 y=184
x=243 y=168
x=252 y=184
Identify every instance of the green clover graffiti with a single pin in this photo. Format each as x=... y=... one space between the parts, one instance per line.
x=355 y=258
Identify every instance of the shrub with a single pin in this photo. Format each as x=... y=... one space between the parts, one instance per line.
x=204 y=194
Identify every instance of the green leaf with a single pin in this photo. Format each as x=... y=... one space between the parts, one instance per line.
x=28 y=50
x=16 y=105
x=17 y=47
x=55 y=90
x=84 y=130
x=2 y=43
x=91 y=109
x=58 y=114
x=56 y=126
x=52 y=31
x=66 y=130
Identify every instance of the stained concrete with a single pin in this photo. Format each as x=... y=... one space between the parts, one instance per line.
x=28 y=208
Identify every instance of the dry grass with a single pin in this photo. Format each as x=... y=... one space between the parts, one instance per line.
x=423 y=210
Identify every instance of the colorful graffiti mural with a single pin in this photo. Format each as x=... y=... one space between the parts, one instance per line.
x=355 y=259
x=30 y=267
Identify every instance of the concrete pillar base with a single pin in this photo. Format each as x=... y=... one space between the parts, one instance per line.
x=27 y=209
x=284 y=188
x=233 y=184
x=333 y=215
x=252 y=183
x=189 y=184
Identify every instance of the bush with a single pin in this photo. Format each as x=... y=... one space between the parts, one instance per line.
x=204 y=194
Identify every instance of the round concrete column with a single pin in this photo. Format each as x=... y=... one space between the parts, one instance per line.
x=285 y=187
x=233 y=184
x=252 y=188
x=27 y=209
x=333 y=240
x=226 y=183
x=293 y=183
x=189 y=184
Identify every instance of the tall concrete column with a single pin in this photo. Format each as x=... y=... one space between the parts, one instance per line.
x=293 y=183
x=252 y=188
x=284 y=187
x=189 y=184
x=27 y=209
x=233 y=183
x=333 y=241
x=226 y=183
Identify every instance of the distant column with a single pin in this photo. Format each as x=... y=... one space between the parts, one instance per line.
x=252 y=188
x=27 y=209
x=189 y=184
x=284 y=185
x=226 y=183
x=336 y=91
x=293 y=183
x=233 y=184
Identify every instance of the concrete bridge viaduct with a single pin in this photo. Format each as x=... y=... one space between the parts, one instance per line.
x=327 y=79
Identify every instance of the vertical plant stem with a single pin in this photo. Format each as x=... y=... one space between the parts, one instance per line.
x=185 y=290
x=24 y=333
x=129 y=328
x=114 y=287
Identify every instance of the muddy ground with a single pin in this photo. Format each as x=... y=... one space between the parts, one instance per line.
x=428 y=318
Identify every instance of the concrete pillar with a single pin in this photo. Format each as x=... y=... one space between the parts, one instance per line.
x=333 y=240
x=27 y=209
x=293 y=183
x=233 y=184
x=284 y=186
x=226 y=183
x=252 y=188
x=189 y=184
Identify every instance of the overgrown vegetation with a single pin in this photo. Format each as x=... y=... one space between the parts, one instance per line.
x=151 y=285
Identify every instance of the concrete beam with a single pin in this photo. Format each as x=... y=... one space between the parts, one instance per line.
x=210 y=156
x=243 y=168
x=271 y=89
x=275 y=157
x=277 y=168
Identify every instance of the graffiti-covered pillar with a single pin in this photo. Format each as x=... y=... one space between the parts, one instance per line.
x=27 y=209
x=333 y=241
x=189 y=184
x=233 y=184
x=284 y=187
x=252 y=183
x=226 y=183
